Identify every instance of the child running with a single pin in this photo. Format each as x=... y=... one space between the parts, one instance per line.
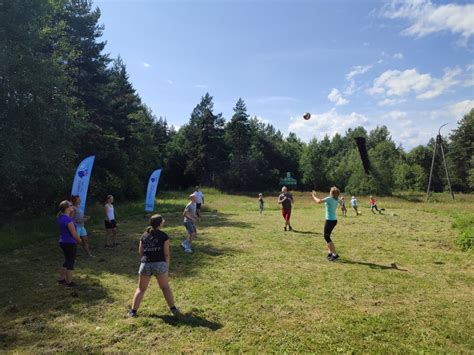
x=373 y=205
x=331 y=203
x=154 y=250
x=260 y=202
x=79 y=218
x=110 y=223
x=354 y=205
x=342 y=202
x=190 y=218
x=68 y=240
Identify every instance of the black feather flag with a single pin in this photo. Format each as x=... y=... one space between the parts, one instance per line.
x=364 y=156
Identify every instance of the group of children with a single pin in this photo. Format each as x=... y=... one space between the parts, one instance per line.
x=153 y=246
x=154 y=243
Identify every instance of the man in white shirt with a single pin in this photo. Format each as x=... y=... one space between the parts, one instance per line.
x=199 y=201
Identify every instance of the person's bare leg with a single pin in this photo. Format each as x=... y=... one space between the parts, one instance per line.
x=143 y=282
x=331 y=248
x=190 y=239
x=62 y=273
x=114 y=236
x=69 y=276
x=165 y=288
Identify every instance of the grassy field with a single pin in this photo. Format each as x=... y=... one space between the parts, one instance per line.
x=402 y=283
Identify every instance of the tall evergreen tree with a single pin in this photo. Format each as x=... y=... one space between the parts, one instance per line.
x=461 y=153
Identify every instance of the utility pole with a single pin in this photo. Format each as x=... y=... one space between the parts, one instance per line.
x=439 y=141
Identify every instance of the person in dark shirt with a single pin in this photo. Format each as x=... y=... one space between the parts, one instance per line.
x=286 y=201
x=155 y=261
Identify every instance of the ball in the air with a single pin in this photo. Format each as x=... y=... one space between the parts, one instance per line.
x=307 y=116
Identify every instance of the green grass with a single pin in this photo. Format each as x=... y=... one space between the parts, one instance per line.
x=402 y=284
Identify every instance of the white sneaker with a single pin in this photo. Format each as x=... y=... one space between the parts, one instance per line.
x=188 y=250
x=184 y=244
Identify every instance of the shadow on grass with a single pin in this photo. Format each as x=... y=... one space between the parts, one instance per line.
x=392 y=266
x=188 y=319
x=305 y=232
x=34 y=301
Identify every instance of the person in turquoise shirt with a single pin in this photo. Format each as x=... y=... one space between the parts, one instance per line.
x=331 y=203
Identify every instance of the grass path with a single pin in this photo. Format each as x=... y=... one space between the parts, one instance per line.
x=402 y=285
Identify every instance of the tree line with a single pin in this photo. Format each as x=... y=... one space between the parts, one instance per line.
x=63 y=98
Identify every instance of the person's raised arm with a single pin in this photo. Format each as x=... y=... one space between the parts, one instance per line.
x=315 y=198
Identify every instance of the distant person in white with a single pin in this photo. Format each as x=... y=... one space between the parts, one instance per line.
x=190 y=218
x=199 y=200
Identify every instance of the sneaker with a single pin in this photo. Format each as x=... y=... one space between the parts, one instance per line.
x=284 y=228
x=184 y=244
x=176 y=312
x=70 y=285
x=188 y=250
x=334 y=257
x=329 y=256
x=132 y=313
x=290 y=229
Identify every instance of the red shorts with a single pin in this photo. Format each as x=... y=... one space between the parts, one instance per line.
x=286 y=214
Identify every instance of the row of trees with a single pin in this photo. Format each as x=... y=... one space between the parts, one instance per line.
x=62 y=99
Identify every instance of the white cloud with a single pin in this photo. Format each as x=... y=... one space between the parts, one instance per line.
x=263 y=120
x=169 y=81
x=355 y=71
x=438 y=86
x=201 y=86
x=398 y=83
x=390 y=102
x=336 y=97
x=469 y=81
x=329 y=123
x=398 y=56
x=459 y=109
x=426 y=18
x=276 y=99
x=358 y=70
x=146 y=65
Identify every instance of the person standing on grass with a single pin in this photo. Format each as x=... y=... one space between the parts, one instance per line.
x=342 y=202
x=79 y=218
x=154 y=250
x=190 y=219
x=199 y=201
x=373 y=205
x=110 y=223
x=68 y=240
x=331 y=203
x=286 y=201
x=354 y=205
x=260 y=202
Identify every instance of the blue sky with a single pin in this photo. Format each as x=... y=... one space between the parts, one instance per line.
x=404 y=64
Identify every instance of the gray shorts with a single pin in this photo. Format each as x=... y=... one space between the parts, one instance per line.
x=155 y=269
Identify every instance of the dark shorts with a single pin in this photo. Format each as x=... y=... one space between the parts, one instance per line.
x=110 y=225
x=70 y=251
x=286 y=214
x=198 y=206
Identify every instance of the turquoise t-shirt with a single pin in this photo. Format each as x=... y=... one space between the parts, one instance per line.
x=331 y=206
